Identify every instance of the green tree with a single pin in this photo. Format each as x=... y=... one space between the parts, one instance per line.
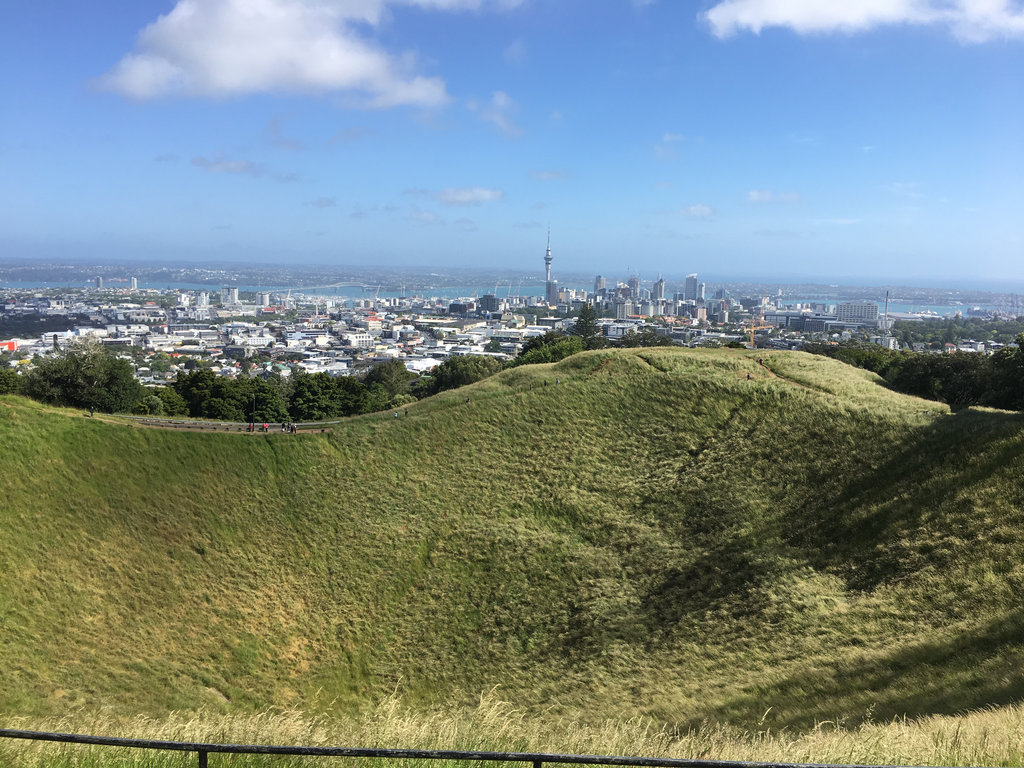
x=549 y=348
x=317 y=397
x=588 y=329
x=10 y=381
x=173 y=403
x=1006 y=385
x=85 y=376
x=459 y=371
x=645 y=337
x=393 y=377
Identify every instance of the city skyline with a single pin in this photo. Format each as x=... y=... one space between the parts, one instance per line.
x=733 y=138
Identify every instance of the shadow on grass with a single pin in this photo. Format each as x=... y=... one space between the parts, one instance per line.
x=874 y=531
x=976 y=668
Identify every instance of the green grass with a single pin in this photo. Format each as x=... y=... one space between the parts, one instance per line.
x=653 y=536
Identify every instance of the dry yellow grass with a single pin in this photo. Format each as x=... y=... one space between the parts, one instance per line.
x=992 y=737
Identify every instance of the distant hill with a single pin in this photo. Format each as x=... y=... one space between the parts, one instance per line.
x=656 y=533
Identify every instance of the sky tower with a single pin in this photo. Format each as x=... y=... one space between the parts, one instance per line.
x=547 y=260
x=550 y=286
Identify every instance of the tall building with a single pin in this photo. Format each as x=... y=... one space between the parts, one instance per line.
x=99 y=282
x=228 y=296
x=857 y=312
x=690 y=289
x=599 y=284
x=550 y=286
x=135 y=283
x=489 y=303
x=634 y=286
x=658 y=294
x=701 y=291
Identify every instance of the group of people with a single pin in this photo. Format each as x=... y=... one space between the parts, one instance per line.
x=286 y=427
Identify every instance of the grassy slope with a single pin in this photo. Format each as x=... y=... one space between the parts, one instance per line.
x=655 y=534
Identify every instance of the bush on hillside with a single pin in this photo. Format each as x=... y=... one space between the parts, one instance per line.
x=549 y=348
x=85 y=376
x=458 y=371
x=10 y=382
x=318 y=397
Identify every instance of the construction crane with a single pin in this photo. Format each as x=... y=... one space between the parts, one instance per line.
x=756 y=326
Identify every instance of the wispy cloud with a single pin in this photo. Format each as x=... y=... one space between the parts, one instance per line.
x=515 y=52
x=698 y=211
x=458 y=196
x=768 y=196
x=424 y=217
x=908 y=189
x=550 y=175
x=665 y=149
x=275 y=132
x=323 y=202
x=348 y=134
x=223 y=165
x=499 y=111
x=969 y=20
x=836 y=222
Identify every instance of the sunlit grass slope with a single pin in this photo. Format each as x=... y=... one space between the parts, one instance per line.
x=653 y=534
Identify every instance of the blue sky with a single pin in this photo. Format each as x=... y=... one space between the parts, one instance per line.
x=785 y=139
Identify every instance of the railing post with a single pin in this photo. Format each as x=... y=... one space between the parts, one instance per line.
x=202 y=760
x=537 y=763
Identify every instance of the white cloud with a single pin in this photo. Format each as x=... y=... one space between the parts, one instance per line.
x=499 y=111
x=670 y=138
x=467 y=195
x=969 y=20
x=767 y=196
x=698 y=211
x=222 y=48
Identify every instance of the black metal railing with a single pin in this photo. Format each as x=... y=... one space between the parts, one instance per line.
x=537 y=759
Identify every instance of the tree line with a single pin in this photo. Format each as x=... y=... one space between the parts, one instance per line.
x=960 y=379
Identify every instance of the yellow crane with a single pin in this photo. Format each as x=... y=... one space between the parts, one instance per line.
x=756 y=326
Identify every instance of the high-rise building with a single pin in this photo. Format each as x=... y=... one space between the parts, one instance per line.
x=135 y=283
x=701 y=291
x=228 y=296
x=264 y=299
x=599 y=284
x=690 y=289
x=489 y=303
x=99 y=282
x=658 y=294
x=634 y=286
x=857 y=312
